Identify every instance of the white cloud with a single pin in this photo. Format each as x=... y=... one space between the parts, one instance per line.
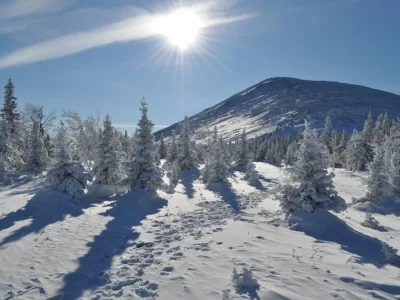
x=19 y=8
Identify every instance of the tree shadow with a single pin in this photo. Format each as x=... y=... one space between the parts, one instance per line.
x=324 y=226
x=44 y=208
x=127 y=211
x=187 y=179
x=227 y=195
x=258 y=185
x=373 y=286
x=251 y=292
x=385 y=206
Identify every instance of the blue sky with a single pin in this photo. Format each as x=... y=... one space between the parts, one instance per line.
x=100 y=56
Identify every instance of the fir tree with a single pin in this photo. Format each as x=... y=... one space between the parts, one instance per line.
x=251 y=173
x=310 y=184
x=242 y=156
x=37 y=155
x=186 y=158
x=162 y=149
x=328 y=134
x=173 y=149
x=173 y=176
x=394 y=173
x=108 y=169
x=144 y=172
x=368 y=130
x=66 y=176
x=378 y=182
x=9 y=111
x=216 y=169
x=126 y=145
x=356 y=153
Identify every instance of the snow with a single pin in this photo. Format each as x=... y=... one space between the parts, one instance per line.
x=143 y=245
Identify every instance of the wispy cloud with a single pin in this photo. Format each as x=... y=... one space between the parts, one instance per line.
x=140 y=26
x=19 y=8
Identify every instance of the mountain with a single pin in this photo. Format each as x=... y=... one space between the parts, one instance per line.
x=281 y=104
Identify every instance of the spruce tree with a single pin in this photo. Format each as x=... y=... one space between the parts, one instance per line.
x=162 y=149
x=242 y=156
x=144 y=172
x=368 y=130
x=356 y=153
x=9 y=111
x=251 y=173
x=328 y=134
x=394 y=173
x=186 y=158
x=3 y=171
x=216 y=169
x=37 y=154
x=108 y=169
x=310 y=186
x=378 y=182
x=173 y=149
x=126 y=145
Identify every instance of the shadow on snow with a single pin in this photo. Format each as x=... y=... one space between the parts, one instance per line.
x=187 y=179
x=127 y=211
x=227 y=195
x=325 y=226
x=44 y=208
x=386 y=206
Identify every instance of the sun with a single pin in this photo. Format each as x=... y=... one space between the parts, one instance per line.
x=181 y=28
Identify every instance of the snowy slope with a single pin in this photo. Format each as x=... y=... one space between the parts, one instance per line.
x=281 y=104
x=185 y=245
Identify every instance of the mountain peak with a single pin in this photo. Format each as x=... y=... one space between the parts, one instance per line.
x=281 y=104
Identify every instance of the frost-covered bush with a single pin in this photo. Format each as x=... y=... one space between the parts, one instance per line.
x=310 y=185
x=251 y=173
x=66 y=176
x=390 y=253
x=370 y=221
x=243 y=280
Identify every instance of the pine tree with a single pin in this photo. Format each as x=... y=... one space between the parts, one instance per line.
x=251 y=173
x=66 y=176
x=173 y=149
x=378 y=182
x=242 y=156
x=186 y=159
x=144 y=172
x=108 y=169
x=37 y=155
x=162 y=149
x=310 y=184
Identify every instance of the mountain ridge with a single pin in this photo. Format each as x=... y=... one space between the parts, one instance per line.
x=280 y=104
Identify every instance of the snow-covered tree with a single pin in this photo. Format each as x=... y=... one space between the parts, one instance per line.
x=378 y=133
x=173 y=176
x=173 y=149
x=37 y=155
x=126 y=145
x=251 y=173
x=9 y=111
x=310 y=185
x=394 y=173
x=216 y=170
x=290 y=154
x=356 y=153
x=144 y=171
x=108 y=169
x=378 y=182
x=242 y=155
x=67 y=176
x=3 y=170
x=328 y=134
x=368 y=130
x=162 y=149
x=186 y=159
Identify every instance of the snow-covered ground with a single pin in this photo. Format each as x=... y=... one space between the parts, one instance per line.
x=185 y=245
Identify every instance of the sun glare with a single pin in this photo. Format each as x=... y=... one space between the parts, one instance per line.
x=180 y=27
